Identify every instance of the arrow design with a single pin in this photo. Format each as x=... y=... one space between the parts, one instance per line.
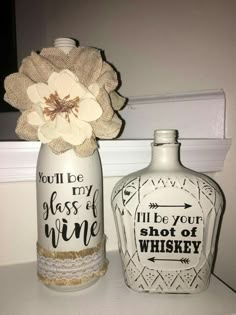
x=154 y=205
x=182 y=260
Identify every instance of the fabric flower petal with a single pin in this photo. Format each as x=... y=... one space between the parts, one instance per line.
x=107 y=129
x=24 y=130
x=104 y=99
x=80 y=90
x=59 y=146
x=62 y=125
x=51 y=80
x=43 y=90
x=64 y=82
x=86 y=148
x=89 y=110
x=77 y=125
x=47 y=133
x=94 y=89
x=108 y=78
x=56 y=57
x=16 y=85
x=33 y=94
x=35 y=119
x=37 y=68
x=89 y=65
x=79 y=133
x=42 y=138
x=117 y=100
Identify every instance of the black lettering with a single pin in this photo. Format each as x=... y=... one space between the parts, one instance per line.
x=169 y=246
x=153 y=232
x=154 y=246
x=51 y=232
x=196 y=245
x=187 y=246
x=144 y=232
x=175 y=220
x=178 y=248
x=143 y=245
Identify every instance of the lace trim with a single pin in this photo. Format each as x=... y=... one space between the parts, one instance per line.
x=75 y=269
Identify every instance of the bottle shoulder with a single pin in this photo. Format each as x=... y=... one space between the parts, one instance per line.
x=148 y=173
x=182 y=178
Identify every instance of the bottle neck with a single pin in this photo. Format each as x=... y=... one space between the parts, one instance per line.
x=65 y=44
x=166 y=157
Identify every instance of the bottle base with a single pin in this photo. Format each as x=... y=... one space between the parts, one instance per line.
x=166 y=291
x=71 y=288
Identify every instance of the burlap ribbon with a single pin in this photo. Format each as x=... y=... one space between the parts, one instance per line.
x=72 y=267
x=88 y=65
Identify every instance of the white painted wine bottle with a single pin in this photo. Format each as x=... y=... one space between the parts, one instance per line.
x=71 y=240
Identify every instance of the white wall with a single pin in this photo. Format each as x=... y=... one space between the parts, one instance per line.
x=158 y=47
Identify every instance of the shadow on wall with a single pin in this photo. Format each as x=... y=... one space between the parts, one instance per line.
x=8 y=55
x=7 y=126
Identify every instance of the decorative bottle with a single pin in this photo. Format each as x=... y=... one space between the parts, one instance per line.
x=167 y=219
x=71 y=241
x=67 y=97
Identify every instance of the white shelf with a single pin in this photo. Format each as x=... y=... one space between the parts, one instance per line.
x=22 y=294
x=119 y=157
x=122 y=157
x=199 y=116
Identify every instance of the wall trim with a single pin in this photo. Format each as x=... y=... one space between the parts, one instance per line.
x=119 y=157
x=197 y=115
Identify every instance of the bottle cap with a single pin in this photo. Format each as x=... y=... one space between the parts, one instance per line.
x=164 y=136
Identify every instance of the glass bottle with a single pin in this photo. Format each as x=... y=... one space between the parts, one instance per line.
x=167 y=219
x=71 y=240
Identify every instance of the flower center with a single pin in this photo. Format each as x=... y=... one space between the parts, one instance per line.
x=65 y=106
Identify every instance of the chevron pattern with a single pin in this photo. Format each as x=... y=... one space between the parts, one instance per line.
x=126 y=197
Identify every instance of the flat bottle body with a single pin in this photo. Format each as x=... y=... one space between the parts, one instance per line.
x=167 y=222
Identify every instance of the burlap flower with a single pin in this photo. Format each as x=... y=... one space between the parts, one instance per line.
x=66 y=100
